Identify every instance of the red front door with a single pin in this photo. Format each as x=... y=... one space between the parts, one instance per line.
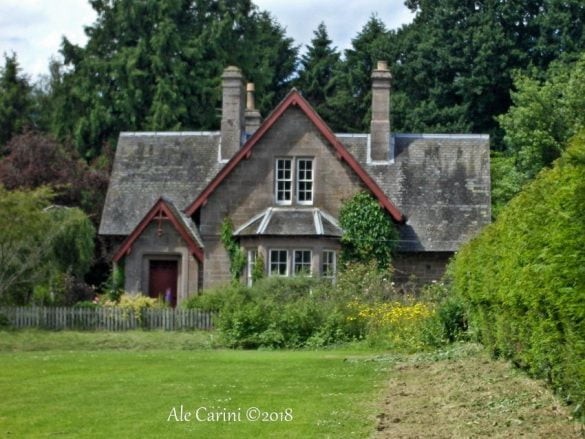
x=163 y=281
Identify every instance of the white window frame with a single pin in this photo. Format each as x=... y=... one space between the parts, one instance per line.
x=293 y=261
x=284 y=180
x=334 y=264
x=287 y=262
x=304 y=180
x=251 y=258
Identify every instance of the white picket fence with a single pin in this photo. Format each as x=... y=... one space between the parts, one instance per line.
x=108 y=319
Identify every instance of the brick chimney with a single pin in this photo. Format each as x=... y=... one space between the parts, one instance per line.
x=252 y=116
x=380 y=125
x=232 y=112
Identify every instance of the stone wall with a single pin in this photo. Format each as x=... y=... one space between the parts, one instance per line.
x=169 y=246
x=420 y=267
x=249 y=189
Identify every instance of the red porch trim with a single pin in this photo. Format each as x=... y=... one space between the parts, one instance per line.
x=295 y=99
x=159 y=212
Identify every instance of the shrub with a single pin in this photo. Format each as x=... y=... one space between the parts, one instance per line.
x=368 y=231
x=278 y=312
x=404 y=326
x=450 y=311
x=523 y=280
x=135 y=303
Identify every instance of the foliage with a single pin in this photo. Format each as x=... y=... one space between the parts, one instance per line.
x=278 y=312
x=235 y=253
x=506 y=180
x=368 y=231
x=42 y=250
x=259 y=269
x=453 y=65
x=25 y=242
x=401 y=326
x=156 y=66
x=365 y=282
x=317 y=74
x=523 y=281
x=543 y=117
x=35 y=159
x=73 y=241
x=351 y=102
x=135 y=303
x=305 y=312
x=15 y=101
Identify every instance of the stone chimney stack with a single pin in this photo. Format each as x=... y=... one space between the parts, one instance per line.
x=232 y=112
x=380 y=125
x=252 y=116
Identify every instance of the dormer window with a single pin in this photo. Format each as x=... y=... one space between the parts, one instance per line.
x=305 y=181
x=283 y=189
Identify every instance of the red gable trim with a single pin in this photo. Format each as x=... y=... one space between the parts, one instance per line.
x=160 y=208
x=295 y=99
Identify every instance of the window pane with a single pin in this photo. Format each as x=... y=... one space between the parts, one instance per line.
x=302 y=262
x=328 y=264
x=278 y=262
x=283 y=180
x=305 y=180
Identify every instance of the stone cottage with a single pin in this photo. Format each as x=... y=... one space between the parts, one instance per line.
x=282 y=181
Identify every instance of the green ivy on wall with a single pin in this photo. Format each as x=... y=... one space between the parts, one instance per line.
x=368 y=231
x=231 y=245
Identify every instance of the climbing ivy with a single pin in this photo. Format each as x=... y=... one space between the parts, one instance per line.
x=368 y=231
x=231 y=245
x=258 y=270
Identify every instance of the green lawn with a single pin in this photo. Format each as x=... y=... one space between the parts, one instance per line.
x=125 y=385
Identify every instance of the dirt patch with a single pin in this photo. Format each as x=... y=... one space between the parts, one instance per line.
x=470 y=396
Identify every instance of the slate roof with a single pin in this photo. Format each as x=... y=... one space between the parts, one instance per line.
x=287 y=221
x=148 y=166
x=187 y=222
x=441 y=183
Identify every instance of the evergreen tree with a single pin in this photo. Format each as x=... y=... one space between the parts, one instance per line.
x=15 y=100
x=453 y=65
x=316 y=78
x=154 y=65
x=352 y=100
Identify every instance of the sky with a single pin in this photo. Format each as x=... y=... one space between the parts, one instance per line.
x=33 y=29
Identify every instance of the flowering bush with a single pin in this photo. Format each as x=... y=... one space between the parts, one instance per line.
x=134 y=302
x=404 y=326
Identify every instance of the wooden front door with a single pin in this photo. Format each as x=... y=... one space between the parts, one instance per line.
x=162 y=280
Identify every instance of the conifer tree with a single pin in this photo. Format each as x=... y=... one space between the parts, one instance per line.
x=15 y=100
x=316 y=78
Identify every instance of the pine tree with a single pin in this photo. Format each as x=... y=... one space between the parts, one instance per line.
x=453 y=65
x=316 y=78
x=155 y=65
x=352 y=100
x=15 y=100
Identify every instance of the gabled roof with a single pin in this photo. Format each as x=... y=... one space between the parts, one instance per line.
x=148 y=165
x=290 y=221
x=165 y=210
x=295 y=99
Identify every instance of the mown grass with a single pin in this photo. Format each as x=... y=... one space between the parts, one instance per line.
x=103 y=384
x=125 y=385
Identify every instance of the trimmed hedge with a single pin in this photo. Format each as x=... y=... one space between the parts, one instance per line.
x=523 y=278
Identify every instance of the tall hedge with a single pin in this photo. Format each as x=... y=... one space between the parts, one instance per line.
x=523 y=278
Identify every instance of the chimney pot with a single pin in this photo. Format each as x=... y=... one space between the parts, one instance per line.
x=253 y=117
x=250 y=96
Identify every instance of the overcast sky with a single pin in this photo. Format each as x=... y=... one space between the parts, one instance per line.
x=33 y=28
